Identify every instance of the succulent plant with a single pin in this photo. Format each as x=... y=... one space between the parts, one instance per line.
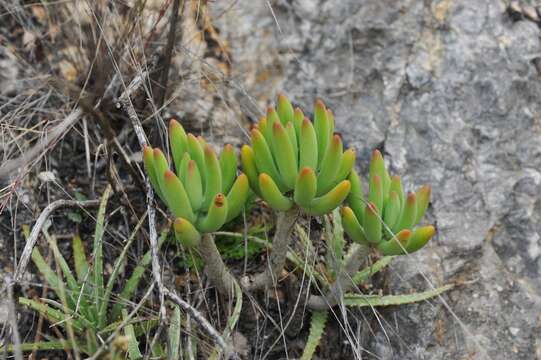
x=205 y=192
x=293 y=161
x=387 y=218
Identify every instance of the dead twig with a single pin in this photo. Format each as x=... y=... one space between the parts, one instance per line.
x=38 y=150
x=33 y=238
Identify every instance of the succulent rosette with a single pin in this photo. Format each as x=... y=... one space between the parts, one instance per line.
x=294 y=162
x=204 y=192
x=387 y=218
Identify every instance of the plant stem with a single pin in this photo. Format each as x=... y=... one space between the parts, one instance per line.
x=344 y=281
x=280 y=243
x=216 y=270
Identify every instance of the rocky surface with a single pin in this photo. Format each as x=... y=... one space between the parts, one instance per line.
x=450 y=91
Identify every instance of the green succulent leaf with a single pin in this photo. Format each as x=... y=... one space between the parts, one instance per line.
x=329 y=166
x=356 y=199
x=194 y=185
x=396 y=186
x=346 y=164
x=298 y=118
x=396 y=245
x=409 y=213
x=186 y=233
x=264 y=160
x=331 y=200
x=391 y=211
x=285 y=109
x=420 y=237
x=213 y=182
x=228 y=165
x=216 y=215
x=352 y=226
x=422 y=197
x=375 y=192
x=284 y=155
x=272 y=194
x=305 y=187
x=197 y=154
x=160 y=166
x=372 y=223
x=249 y=167
x=321 y=125
x=178 y=142
x=178 y=200
x=148 y=160
x=237 y=196
x=308 y=146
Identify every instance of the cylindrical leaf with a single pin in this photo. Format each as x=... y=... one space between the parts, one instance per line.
x=194 y=185
x=375 y=192
x=228 y=165
x=290 y=129
x=182 y=171
x=186 y=233
x=391 y=212
x=409 y=212
x=321 y=125
x=346 y=164
x=237 y=196
x=213 y=183
x=305 y=187
x=298 y=117
x=329 y=166
x=396 y=245
x=161 y=166
x=196 y=153
x=177 y=141
x=284 y=155
x=285 y=109
x=148 y=160
x=352 y=226
x=420 y=237
x=330 y=117
x=396 y=186
x=308 y=147
x=249 y=167
x=264 y=160
x=330 y=201
x=176 y=196
x=372 y=223
x=272 y=195
x=216 y=215
x=356 y=199
x=422 y=197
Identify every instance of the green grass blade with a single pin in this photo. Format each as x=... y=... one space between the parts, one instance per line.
x=363 y=275
x=317 y=326
x=173 y=335
x=133 y=281
x=133 y=345
x=53 y=315
x=50 y=276
x=114 y=274
x=79 y=258
x=40 y=346
x=98 y=248
x=360 y=300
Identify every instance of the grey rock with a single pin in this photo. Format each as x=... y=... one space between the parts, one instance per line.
x=448 y=90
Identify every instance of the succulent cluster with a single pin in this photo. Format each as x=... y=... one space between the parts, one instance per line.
x=386 y=219
x=292 y=161
x=205 y=192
